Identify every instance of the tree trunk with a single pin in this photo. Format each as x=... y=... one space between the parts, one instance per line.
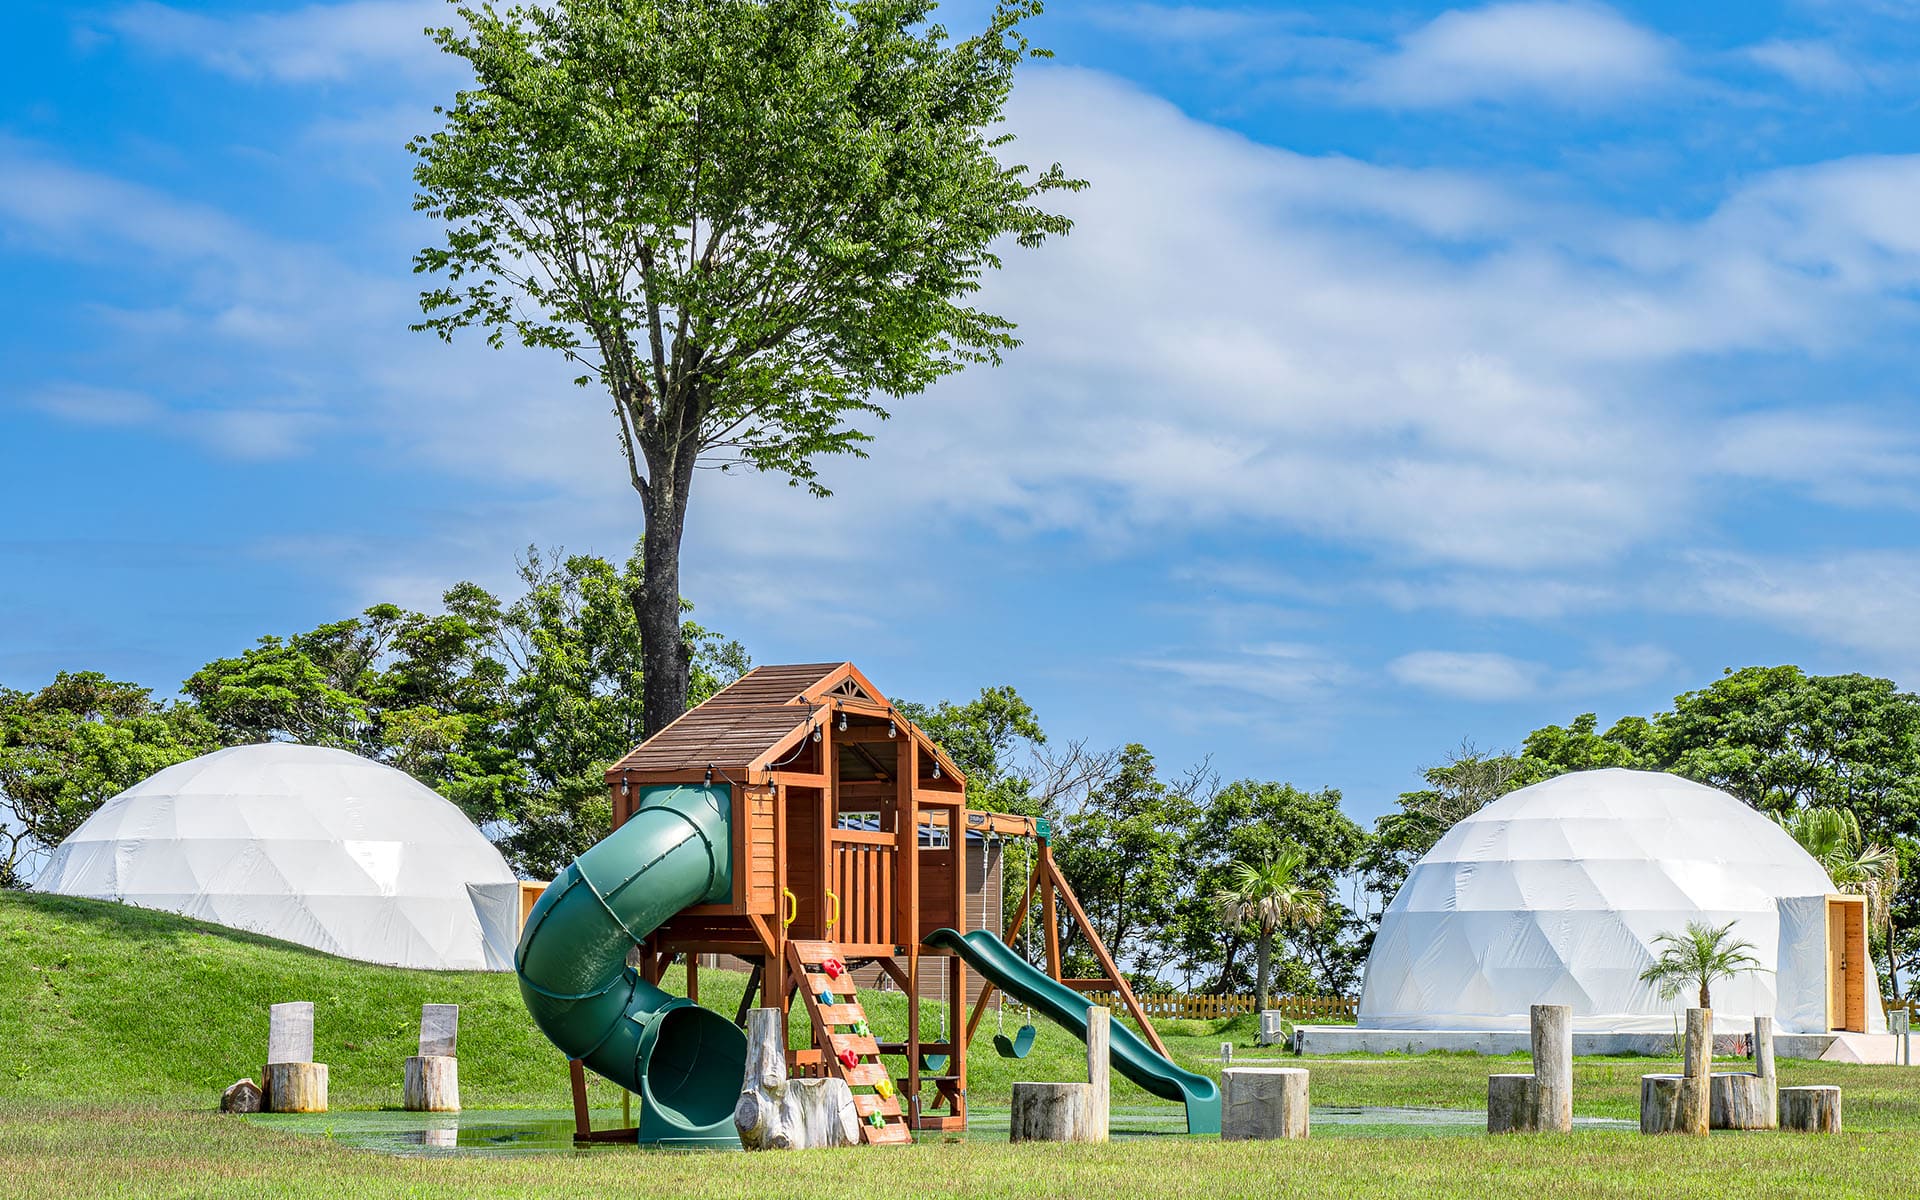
x=1263 y=964
x=1050 y=1112
x=1810 y=1109
x=1706 y=999
x=431 y=1083
x=666 y=659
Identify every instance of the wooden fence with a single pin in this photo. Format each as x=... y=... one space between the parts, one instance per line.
x=1210 y=1006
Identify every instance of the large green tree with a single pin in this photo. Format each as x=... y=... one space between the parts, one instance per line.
x=743 y=222
x=71 y=745
x=1247 y=824
x=1120 y=849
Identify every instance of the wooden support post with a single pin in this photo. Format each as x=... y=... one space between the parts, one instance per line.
x=1043 y=862
x=752 y=989
x=1763 y=1047
x=1099 y=1074
x=1105 y=959
x=956 y=1010
x=693 y=978
x=1810 y=1109
x=907 y=932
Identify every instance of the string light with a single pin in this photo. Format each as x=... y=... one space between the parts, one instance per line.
x=936 y=770
x=709 y=775
x=816 y=733
x=893 y=731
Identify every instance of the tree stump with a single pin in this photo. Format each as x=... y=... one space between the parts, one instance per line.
x=778 y=1113
x=1513 y=1104
x=1682 y=1103
x=242 y=1097
x=1747 y=1100
x=1810 y=1109
x=432 y=1083
x=1258 y=1103
x=1552 y=1029
x=1741 y=1101
x=296 y=1087
x=1050 y=1112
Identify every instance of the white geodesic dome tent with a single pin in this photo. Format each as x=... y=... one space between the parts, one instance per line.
x=1554 y=894
x=311 y=845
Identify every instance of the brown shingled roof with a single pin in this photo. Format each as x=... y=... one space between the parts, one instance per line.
x=747 y=718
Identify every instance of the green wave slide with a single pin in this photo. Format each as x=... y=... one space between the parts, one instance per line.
x=1132 y=1055
x=685 y=1062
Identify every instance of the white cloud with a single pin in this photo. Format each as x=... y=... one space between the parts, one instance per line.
x=319 y=43
x=84 y=404
x=1490 y=677
x=1289 y=672
x=1573 y=53
x=1467 y=675
x=1866 y=601
x=1816 y=66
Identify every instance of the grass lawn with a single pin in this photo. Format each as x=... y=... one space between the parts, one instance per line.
x=118 y=1027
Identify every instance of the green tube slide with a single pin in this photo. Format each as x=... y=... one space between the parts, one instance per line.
x=1132 y=1055
x=685 y=1062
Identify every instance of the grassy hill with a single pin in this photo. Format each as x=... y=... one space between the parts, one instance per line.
x=108 y=1001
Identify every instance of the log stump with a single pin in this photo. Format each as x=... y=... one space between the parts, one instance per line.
x=242 y=1097
x=432 y=1083
x=1674 y=1104
x=1742 y=1101
x=1552 y=1030
x=1810 y=1109
x=1050 y=1112
x=295 y=1087
x=1513 y=1104
x=1261 y=1103
x=778 y=1113
x=1682 y=1103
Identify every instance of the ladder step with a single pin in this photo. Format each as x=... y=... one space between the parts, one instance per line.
x=814 y=953
x=890 y=1134
x=866 y=1105
x=865 y=1047
x=866 y=1074
x=840 y=1014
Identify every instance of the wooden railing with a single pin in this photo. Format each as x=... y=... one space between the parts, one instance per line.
x=863 y=864
x=1208 y=1006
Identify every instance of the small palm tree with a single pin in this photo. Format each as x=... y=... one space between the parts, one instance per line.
x=1268 y=899
x=1701 y=955
x=1832 y=836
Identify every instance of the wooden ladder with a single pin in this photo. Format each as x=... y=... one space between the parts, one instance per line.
x=864 y=1078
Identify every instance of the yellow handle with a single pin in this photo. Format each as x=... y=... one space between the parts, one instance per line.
x=833 y=907
x=793 y=907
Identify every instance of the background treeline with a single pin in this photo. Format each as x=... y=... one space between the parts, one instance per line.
x=513 y=709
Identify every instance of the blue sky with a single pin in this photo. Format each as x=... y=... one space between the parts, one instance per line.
x=1413 y=374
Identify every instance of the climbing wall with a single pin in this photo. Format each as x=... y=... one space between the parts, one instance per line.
x=850 y=1052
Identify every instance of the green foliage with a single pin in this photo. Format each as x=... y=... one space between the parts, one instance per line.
x=982 y=737
x=751 y=213
x=1268 y=898
x=744 y=220
x=513 y=712
x=1249 y=823
x=575 y=703
x=1120 y=849
x=67 y=748
x=1699 y=957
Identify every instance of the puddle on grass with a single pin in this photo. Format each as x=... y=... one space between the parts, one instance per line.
x=509 y=1132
